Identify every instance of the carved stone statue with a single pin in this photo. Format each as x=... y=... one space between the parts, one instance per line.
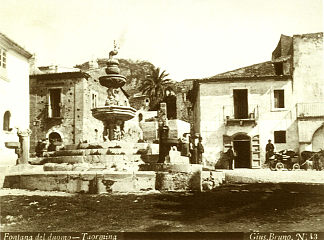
x=114 y=52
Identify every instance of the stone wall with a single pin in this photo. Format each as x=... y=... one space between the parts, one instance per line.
x=308 y=68
x=92 y=128
x=184 y=106
x=14 y=92
x=308 y=86
x=76 y=123
x=71 y=98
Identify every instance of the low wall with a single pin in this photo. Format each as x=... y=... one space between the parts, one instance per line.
x=83 y=182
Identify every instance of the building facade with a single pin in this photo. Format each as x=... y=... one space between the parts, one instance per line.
x=61 y=101
x=281 y=100
x=14 y=95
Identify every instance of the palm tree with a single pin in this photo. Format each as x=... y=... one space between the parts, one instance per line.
x=154 y=86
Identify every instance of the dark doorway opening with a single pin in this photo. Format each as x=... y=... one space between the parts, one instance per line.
x=54 y=137
x=240 y=103
x=242 y=146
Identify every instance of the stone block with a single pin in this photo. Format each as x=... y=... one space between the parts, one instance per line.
x=99 y=151
x=80 y=167
x=126 y=182
x=65 y=159
x=71 y=147
x=149 y=130
x=145 y=181
x=57 y=167
x=150 y=158
x=140 y=145
x=117 y=151
x=178 y=181
x=164 y=167
x=77 y=152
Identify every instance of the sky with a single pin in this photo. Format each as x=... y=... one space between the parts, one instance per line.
x=187 y=38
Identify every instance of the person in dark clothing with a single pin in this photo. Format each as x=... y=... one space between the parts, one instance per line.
x=269 y=150
x=51 y=146
x=193 y=151
x=230 y=155
x=200 y=149
x=185 y=146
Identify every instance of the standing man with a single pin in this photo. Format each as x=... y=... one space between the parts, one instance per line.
x=269 y=150
x=200 y=149
x=230 y=155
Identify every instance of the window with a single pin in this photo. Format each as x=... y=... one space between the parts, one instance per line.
x=54 y=105
x=94 y=100
x=279 y=98
x=3 y=58
x=278 y=68
x=6 y=121
x=280 y=137
x=240 y=103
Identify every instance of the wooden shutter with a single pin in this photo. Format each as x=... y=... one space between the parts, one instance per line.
x=256 y=154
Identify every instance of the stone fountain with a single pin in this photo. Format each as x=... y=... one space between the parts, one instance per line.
x=114 y=113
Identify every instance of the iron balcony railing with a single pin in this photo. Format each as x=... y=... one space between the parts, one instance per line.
x=305 y=110
x=241 y=113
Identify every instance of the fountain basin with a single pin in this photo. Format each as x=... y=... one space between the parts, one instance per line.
x=112 y=80
x=114 y=113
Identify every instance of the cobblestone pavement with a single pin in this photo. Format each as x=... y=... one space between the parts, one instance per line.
x=236 y=207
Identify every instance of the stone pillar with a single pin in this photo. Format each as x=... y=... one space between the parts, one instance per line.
x=162 y=115
x=114 y=131
x=24 y=146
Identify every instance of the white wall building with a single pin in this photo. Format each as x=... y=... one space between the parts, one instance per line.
x=14 y=95
x=281 y=100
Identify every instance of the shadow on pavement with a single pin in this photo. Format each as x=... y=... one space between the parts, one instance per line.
x=263 y=203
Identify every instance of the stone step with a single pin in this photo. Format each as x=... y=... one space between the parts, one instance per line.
x=105 y=159
x=110 y=149
x=169 y=167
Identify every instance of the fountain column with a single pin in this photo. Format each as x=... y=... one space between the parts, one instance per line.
x=115 y=112
x=24 y=146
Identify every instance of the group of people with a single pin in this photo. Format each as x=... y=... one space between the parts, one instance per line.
x=192 y=147
x=45 y=145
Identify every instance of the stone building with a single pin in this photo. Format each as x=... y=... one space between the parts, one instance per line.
x=61 y=100
x=281 y=100
x=184 y=106
x=14 y=107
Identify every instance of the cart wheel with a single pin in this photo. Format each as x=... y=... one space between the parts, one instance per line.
x=272 y=166
x=296 y=166
x=279 y=166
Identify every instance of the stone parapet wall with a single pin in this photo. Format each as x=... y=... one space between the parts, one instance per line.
x=83 y=182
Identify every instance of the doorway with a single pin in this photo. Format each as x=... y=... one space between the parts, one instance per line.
x=54 y=137
x=242 y=146
x=240 y=103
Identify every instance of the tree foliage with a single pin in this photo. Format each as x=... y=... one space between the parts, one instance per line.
x=154 y=86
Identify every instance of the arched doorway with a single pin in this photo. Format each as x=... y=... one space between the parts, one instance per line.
x=318 y=140
x=242 y=146
x=54 y=137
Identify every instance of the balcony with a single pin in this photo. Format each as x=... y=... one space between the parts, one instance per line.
x=310 y=110
x=234 y=115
